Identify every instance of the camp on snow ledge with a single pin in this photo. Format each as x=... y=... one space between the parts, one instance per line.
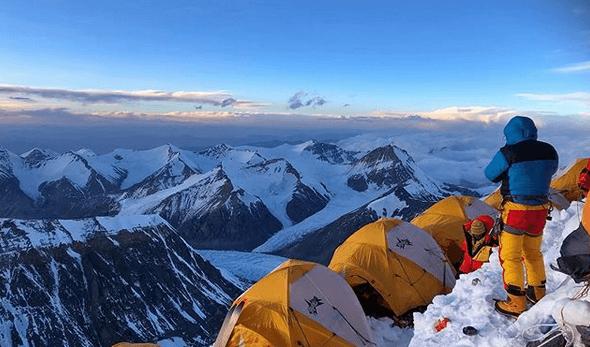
x=394 y=267
x=444 y=221
x=297 y=304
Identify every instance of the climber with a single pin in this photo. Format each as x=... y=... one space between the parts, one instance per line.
x=525 y=167
x=478 y=243
x=575 y=250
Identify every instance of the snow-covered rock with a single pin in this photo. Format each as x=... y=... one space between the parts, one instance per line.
x=471 y=301
x=210 y=212
x=103 y=280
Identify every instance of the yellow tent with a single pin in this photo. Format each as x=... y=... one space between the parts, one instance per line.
x=444 y=221
x=557 y=200
x=401 y=262
x=298 y=304
x=567 y=182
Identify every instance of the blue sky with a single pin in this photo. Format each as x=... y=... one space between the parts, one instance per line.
x=377 y=56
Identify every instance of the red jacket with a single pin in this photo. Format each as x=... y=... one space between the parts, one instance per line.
x=584 y=179
x=469 y=264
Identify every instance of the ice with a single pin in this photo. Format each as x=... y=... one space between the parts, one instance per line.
x=244 y=267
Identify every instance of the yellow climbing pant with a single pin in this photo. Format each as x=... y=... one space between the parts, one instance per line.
x=520 y=244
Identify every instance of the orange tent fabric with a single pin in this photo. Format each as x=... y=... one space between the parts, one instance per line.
x=403 y=264
x=567 y=182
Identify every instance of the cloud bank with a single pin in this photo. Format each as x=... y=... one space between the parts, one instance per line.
x=220 y=98
x=469 y=113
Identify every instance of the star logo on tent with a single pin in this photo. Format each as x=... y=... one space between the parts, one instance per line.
x=313 y=304
x=402 y=243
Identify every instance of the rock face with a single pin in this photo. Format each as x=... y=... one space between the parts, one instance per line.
x=297 y=199
x=212 y=213
x=387 y=167
x=171 y=174
x=331 y=153
x=99 y=281
x=305 y=202
x=44 y=185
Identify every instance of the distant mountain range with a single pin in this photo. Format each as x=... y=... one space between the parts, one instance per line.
x=101 y=248
x=222 y=197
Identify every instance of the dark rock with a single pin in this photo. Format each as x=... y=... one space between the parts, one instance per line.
x=305 y=202
x=213 y=215
x=358 y=183
x=331 y=153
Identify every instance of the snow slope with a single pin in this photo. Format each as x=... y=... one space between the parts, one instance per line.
x=471 y=301
x=375 y=172
x=242 y=268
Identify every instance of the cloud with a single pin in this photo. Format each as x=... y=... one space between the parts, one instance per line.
x=470 y=113
x=573 y=68
x=578 y=97
x=220 y=98
x=21 y=98
x=457 y=151
x=303 y=99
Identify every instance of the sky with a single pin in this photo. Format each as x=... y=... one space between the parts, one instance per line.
x=136 y=67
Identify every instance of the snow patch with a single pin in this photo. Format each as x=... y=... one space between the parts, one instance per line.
x=471 y=301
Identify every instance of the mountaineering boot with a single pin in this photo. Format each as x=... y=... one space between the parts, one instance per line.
x=535 y=293
x=513 y=306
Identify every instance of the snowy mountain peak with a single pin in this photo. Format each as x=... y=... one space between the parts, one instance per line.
x=330 y=153
x=382 y=154
x=382 y=167
x=216 y=151
x=170 y=150
x=85 y=152
x=173 y=173
x=37 y=155
x=278 y=166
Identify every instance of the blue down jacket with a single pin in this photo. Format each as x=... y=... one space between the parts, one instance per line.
x=525 y=165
